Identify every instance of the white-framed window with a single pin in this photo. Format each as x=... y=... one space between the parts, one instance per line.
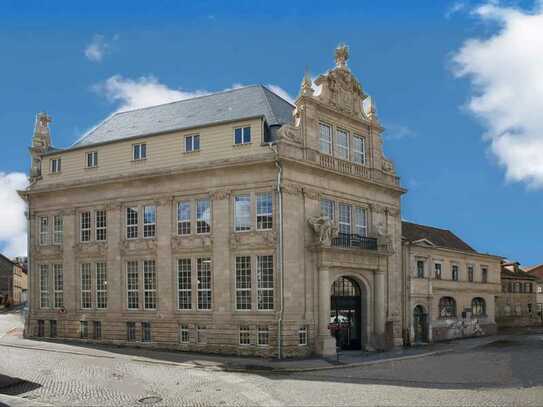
x=201 y=334
x=183 y=217
x=131 y=223
x=130 y=331
x=203 y=216
x=345 y=218
x=58 y=229
x=97 y=329
x=342 y=144
x=149 y=221
x=192 y=143
x=361 y=221
x=55 y=164
x=132 y=284
x=244 y=335
x=44 y=285
x=470 y=273
x=86 y=286
x=437 y=271
x=454 y=272
x=327 y=208
x=243 y=283
x=359 y=150
x=184 y=333
x=203 y=269
x=484 y=275
x=325 y=139
x=420 y=268
x=302 y=336
x=91 y=159
x=264 y=211
x=146 y=331
x=44 y=230
x=242 y=212
x=242 y=135
x=264 y=279
x=100 y=221
x=85 y=226
x=184 y=284
x=149 y=284
x=58 y=287
x=101 y=285
x=84 y=329
x=139 y=151
x=262 y=336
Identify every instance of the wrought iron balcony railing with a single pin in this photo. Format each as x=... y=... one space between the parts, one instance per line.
x=348 y=241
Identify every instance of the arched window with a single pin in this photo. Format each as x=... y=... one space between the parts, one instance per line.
x=345 y=287
x=447 y=307
x=478 y=307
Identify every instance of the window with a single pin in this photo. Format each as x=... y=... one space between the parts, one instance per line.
x=192 y=143
x=201 y=335
x=44 y=230
x=484 y=274
x=131 y=223
x=345 y=219
x=203 y=269
x=262 y=336
x=470 y=274
x=529 y=288
x=149 y=221
x=58 y=229
x=131 y=331
x=361 y=221
x=44 y=286
x=529 y=308
x=359 y=150
x=86 y=286
x=139 y=151
x=58 y=285
x=507 y=310
x=420 y=268
x=264 y=211
x=55 y=165
x=478 y=307
x=518 y=309
x=264 y=278
x=184 y=292
x=85 y=226
x=41 y=328
x=447 y=307
x=97 y=329
x=244 y=335
x=84 y=329
x=53 y=331
x=203 y=216
x=146 y=331
x=243 y=283
x=242 y=212
x=100 y=220
x=184 y=334
x=437 y=268
x=302 y=336
x=327 y=208
x=183 y=218
x=342 y=144
x=539 y=289
x=325 y=139
x=455 y=272
x=101 y=285
x=132 y=284
x=92 y=159
x=242 y=135
x=149 y=284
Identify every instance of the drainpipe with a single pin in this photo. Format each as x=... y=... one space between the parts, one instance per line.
x=279 y=250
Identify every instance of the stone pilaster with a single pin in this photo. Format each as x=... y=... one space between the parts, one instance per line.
x=115 y=268
x=164 y=262
x=326 y=343
x=69 y=263
x=379 y=307
x=222 y=280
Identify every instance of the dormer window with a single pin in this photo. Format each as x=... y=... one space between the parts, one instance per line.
x=359 y=150
x=242 y=135
x=192 y=143
x=92 y=159
x=55 y=165
x=139 y=151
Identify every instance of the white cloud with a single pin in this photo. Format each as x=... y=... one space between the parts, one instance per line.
x=398 y=132
x=281 y=92
x=12 y=214
x=506 y=73
x=455 y=8
x=98 y=48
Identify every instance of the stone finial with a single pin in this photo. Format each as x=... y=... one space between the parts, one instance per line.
x=42 y=136
x=307 y=85
x=372 y=108
x=342 y=55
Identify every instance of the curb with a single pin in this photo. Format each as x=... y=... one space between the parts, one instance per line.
x=13 y=401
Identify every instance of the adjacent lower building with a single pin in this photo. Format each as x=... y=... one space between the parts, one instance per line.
x=13 y=282
x=450 y=288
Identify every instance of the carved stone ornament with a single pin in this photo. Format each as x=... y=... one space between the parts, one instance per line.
x=90 y=249
x=138 y=245
x=290 y=133
x=220 y=195
x=311 y=194
x=253 y=239
x=292 y=188
x=325 y=230
x=384 y=239
x=191 y=242
x=47 y=252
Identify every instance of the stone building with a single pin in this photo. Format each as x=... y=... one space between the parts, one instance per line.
x=538 y=272
x=450 y=288
x=13 y=282
x=517 y=302
x=234 y=222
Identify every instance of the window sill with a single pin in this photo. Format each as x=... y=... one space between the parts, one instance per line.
x=138 y=160
x=241 y=145
x=91 y=168
x=191 y=152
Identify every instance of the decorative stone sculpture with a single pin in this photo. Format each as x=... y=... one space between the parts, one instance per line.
x=324 y=228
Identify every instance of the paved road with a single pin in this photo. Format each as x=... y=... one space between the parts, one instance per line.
x=507 y=372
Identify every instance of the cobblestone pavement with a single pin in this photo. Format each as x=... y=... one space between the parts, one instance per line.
x=503 y=372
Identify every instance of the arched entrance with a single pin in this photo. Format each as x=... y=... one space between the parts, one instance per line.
x=419 y=324
x=345 y=313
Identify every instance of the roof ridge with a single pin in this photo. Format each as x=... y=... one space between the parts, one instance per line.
x=429 y=227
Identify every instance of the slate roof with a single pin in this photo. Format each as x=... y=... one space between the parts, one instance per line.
x=440 y=237
x=236 y=104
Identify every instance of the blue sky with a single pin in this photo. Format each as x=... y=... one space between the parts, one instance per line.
x=411 y=56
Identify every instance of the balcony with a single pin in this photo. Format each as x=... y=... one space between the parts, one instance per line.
x=347 y=241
